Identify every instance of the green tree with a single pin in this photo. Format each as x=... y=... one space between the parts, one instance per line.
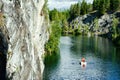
x=102 y=8
x=54 y=15
x=75 y=10
x=96 y=26
x=65 y=15
x=101 y=5
x=52 y=45
x=114 y=5
x=84 y=8
x=89 y=7
x=114 y=26
x=96 y=4
x=65 y=26
x=107 y=4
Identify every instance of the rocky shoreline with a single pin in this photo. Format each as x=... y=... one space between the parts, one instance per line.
x=96 y=24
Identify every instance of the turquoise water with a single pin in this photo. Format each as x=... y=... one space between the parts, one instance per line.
x=103 y=60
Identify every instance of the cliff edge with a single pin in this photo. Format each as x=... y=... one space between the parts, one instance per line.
x=26 y=34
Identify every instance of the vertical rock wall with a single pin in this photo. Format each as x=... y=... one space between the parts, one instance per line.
x=27 y=34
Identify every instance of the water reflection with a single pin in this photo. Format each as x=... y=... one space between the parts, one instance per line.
x=99 y=46
x=102 y=60
x=51 y=63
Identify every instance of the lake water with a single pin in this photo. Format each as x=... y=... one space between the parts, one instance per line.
x=103 y=60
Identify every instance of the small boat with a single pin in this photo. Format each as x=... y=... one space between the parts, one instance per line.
x=83 y=63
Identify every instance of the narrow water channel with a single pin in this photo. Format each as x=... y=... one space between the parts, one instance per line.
x=103 y=60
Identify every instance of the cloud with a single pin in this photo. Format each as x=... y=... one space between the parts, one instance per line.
x=62 y=4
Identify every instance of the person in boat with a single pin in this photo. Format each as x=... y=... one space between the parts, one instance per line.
x=83 y=62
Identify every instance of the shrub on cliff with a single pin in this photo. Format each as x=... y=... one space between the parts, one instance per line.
x=115 y=28
x=96 y=26
x=52 y=45
x=65 y=26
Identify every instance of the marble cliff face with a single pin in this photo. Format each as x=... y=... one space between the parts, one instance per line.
x=27 y=33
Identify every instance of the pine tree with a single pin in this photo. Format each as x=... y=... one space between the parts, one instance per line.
x=96 y=4
x=89 y=7
x=83 y=8
x=75 y=10
x=114 y=5
x=102 y=8
x=107 y=4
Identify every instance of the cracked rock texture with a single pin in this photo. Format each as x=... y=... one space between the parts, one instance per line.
x=27 y=32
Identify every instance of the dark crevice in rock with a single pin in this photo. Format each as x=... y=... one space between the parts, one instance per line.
x=17 y=3
x=3 y=55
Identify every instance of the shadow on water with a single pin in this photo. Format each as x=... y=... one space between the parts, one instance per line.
x=100 y=47
x=3 y=56
x=51 y=62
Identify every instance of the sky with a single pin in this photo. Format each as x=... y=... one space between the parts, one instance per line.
x=63 y=4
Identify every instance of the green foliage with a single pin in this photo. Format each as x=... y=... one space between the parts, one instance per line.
x=81 y=30
x=77 y=31
x=54 y=15
x=102 y=8
x=61 y=17
x=96 y=26
x=49 y=60
x=75 y=10
x=84 y=8
x=106 y=5
x=80 y=9
x=52 y=45
x=96 y=4
x=114 y=26
x=89 y=7
x=114 y=5
x=64 y=26
x=64 y=15
x=86 y=29
x=101 y=5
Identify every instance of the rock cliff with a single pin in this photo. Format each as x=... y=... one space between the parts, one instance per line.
x=99 y=25
x=26 y=33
